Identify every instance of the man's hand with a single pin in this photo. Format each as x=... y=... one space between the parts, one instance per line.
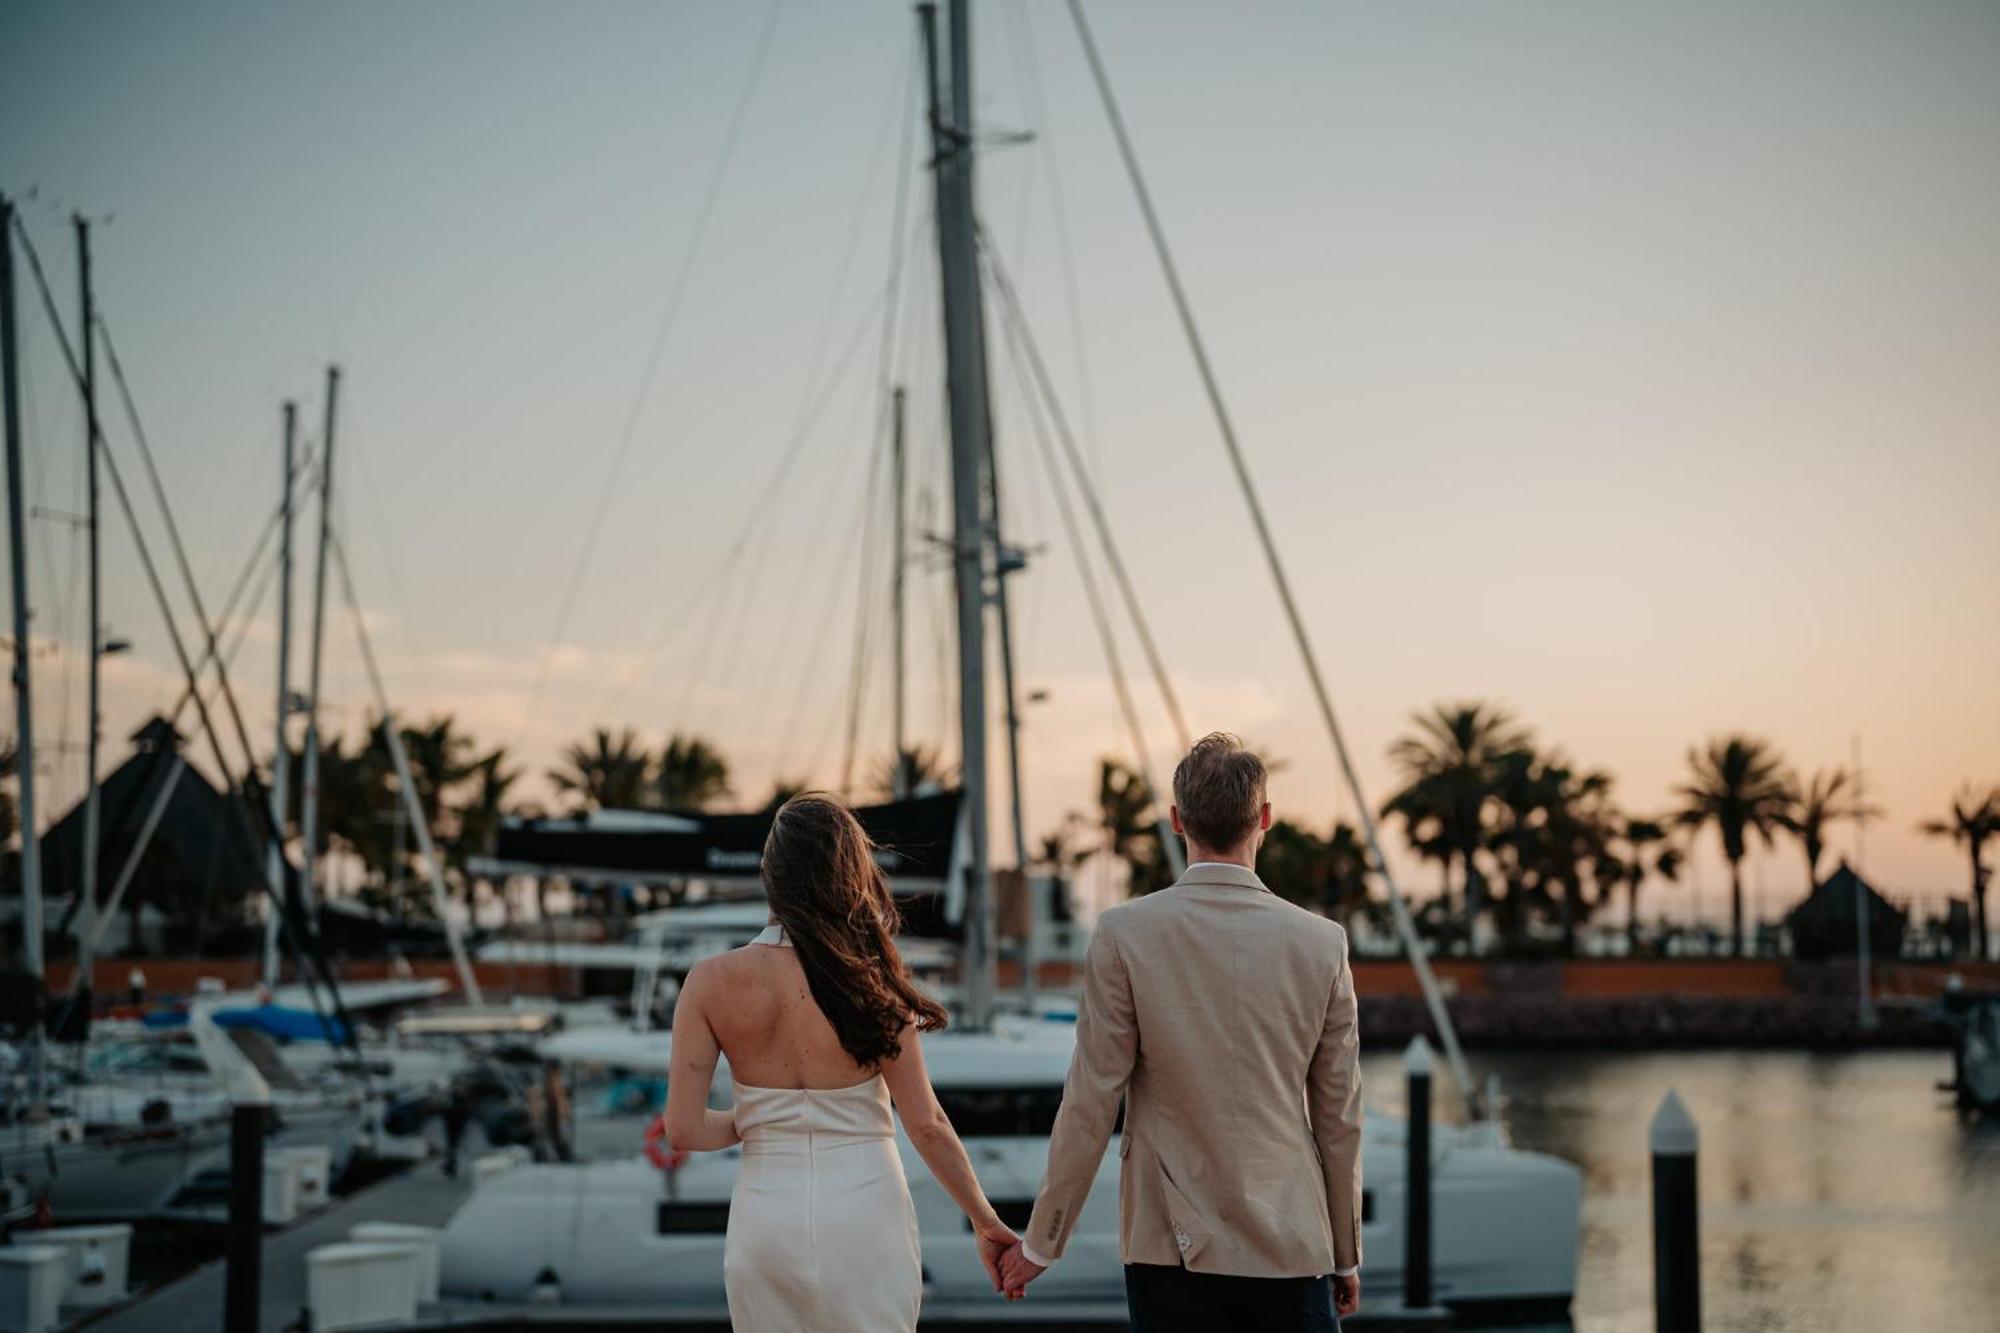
x=1017 y=1271
x=996 y=1241
x=1346 y=1294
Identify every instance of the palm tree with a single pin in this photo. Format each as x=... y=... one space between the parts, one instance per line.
x=1738 y=784
x=1551 y=841
x=1974 y=820
x=691 y=773
x=911 y=771
x=485 y=806
x=1330 y=874
x=1448 y=765
x=1131 y=829
x=1830 y=796
x=1632 y=869
x=606 y=772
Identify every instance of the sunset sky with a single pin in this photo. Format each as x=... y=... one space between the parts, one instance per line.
x=1636 y=366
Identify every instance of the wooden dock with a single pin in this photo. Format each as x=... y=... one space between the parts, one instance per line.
x=192 y=1303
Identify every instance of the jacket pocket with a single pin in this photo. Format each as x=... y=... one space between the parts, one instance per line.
x=1191 y=1233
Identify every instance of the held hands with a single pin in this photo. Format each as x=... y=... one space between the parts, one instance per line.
x=1017 y=1271
x=997 y=1244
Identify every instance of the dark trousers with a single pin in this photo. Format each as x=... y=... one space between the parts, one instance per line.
x=1170 y=1299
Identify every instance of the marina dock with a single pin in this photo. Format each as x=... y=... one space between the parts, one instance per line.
x=424 y=1196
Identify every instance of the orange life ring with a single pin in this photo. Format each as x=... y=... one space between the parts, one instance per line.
x=658 y=1151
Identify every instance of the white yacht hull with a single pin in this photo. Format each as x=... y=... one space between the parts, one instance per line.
x=623 y=1234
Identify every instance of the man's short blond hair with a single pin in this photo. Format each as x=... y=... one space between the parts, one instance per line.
x=1219 y=790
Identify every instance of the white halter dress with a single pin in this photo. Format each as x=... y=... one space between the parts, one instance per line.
x=822 y=1234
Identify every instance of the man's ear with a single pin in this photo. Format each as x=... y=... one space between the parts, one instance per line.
x=1264 y=818
x=1174 y=814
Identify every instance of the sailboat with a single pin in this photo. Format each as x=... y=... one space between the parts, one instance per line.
x=625 y=1234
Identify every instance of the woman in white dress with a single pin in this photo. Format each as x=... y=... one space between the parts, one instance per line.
x=819 y=1020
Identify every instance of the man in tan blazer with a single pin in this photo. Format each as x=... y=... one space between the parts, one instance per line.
x=1224 y=1017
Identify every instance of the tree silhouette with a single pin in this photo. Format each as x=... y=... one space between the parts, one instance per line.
x=1449 y=767
x=606 y=772
x=691 y=774
x=1828 y=797
x=1737 y=783
x=1974 y=821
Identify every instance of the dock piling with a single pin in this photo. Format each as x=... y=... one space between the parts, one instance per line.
x=1676 y=1222
x=242 y=1296
x=1417 y=1178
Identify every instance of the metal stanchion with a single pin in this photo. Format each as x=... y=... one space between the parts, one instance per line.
x=1417 y=1178
x=1676 y=1223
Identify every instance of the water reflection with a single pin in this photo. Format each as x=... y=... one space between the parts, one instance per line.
x=1838 y=1192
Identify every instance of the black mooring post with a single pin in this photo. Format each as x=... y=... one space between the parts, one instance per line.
x=1676 y=1224
x=243 y=1294
x=1417 y=1179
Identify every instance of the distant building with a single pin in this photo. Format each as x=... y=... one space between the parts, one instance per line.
x=1823 y=926
x=200 y=867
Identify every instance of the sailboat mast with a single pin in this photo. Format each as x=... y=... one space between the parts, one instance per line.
x=899 y=778
x=309 y=814
x=281 y=755
x=87 y=325
x=966 y=390
x=24 y=711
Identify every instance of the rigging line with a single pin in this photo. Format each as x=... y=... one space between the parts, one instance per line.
x=864 y=607
x=884 y=137
x=766 y=498
x=103 y=331
x=668 y=318
x=1065 y=250
x=829 y=603
x=121 y=818
x=1405 y=927
x=426 y=847
x=745 y=609
x=1080 y=551
x=249 y=812
x=815 y=544
x=301 y=473
x=1010 y=302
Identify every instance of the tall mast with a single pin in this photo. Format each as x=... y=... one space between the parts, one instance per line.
x=24 y=712
x=281 y=762
x=965 y=386
x=1008 y=560
x=899 y=780
x=309 y=814
x=87 y=325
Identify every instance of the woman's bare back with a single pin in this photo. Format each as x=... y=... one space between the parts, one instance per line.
x=769 y=1026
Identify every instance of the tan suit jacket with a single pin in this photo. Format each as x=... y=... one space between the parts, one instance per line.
x=1224 y=1016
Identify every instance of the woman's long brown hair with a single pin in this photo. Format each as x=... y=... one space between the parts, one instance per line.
x=833 y=901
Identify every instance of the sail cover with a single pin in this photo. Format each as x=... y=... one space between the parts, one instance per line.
x=913 y=841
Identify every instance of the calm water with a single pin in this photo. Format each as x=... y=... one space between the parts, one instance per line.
x=1837 y=1192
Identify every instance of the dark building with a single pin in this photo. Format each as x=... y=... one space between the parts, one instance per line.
x=1823 y=926
x=201 y=867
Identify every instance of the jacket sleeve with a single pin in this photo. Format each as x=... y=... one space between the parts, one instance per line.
x=1333 y=1101
x=1107 y=1044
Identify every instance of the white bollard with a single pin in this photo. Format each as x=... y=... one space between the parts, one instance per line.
x=31 y=1286
x=314 y=1164
x=426 y=1241
x=96 y=1262
x=355 y=1285
x=282 y=1178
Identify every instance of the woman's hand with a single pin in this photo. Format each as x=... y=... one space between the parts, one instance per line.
x=996 y=1239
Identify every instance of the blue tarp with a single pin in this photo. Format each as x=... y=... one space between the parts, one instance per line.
x=273 y=1020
